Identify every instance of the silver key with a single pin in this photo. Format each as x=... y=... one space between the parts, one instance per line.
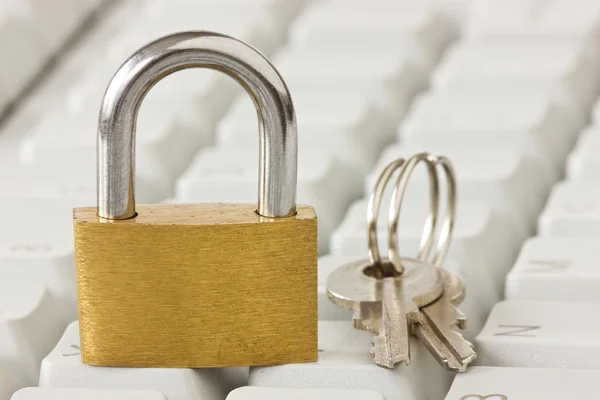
x=396 y=297
x=386 y=307
x=435 y=327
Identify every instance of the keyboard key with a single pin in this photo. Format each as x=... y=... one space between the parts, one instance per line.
x=571 y=210
x=270 y=393
x=165 y=144
x=30 y=325
x=550 y=20
x=62 y=368
x=535 y=123
x=482 y=242
x=499 y=175
x=36 y=245
x=338 y=129
x=345 y=363
x=520 y=333
x=231 y=175
x=379 y=24
x=564 y=64
x=475 y=305
x=34 y=393
x=20 y=44
x=556 y=269
x=583 y=164
x=328 y=311
x=8 y=383
x=524 y=384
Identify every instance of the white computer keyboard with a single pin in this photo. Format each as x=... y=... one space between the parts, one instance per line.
x=507 y=89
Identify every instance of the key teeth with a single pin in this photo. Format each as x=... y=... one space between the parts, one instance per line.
x=389 y=363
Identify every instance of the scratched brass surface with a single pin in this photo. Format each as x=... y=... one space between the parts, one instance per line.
x=198 y=285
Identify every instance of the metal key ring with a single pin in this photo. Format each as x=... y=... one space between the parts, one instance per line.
x=445 y=235
x=375 y=203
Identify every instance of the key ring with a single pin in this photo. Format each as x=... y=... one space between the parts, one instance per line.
x=445 y=236
x=376 y=198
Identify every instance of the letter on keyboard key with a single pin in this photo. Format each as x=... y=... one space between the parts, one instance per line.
x=272 y=393
x=521 y=333
x=35 y=393
x=30 y=325
x=345 y=363
x=490 y=383
x=561 y=269
x=573 y=209
x=62 y=368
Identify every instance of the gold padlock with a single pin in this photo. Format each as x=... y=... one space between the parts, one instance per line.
x=197 y=285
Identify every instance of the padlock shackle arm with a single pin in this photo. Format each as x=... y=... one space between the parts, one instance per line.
x=151 y=63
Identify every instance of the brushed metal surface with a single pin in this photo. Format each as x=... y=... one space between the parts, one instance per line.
x=197 y=285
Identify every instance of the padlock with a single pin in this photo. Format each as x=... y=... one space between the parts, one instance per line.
x=197 y=285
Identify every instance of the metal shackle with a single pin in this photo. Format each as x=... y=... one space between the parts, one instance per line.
x=118 y=117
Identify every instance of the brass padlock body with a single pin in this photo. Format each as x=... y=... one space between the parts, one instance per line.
x=197 y=285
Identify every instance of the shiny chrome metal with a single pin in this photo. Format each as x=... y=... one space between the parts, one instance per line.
x=396 y=203
x=375 y=204
x=276 y=117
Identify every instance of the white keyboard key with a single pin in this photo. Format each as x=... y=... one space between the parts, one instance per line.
x=521 y=333
x=273 y=393
x=563 y=18
x=375 y=24
x=561 y=269
x=567 y=65
x=52 y=175
x=165 y=141
x=474 y=306
x=345 y=363
x=499 y=175
x=36 y=245
x=482 y=242
x=535 y=123
x=339 y=129
x=62 y=368
x=18 y=43
x=35 y=393
x=532 y=87
x=8 y=383
x=30 y=325
x=573 y=209
x=231 y=175
x=493 y=383
x=55 y=21
x=392 y=77
x=582 y=163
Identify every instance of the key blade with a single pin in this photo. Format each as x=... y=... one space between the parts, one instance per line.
x=390 y=345
x=436 y=332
